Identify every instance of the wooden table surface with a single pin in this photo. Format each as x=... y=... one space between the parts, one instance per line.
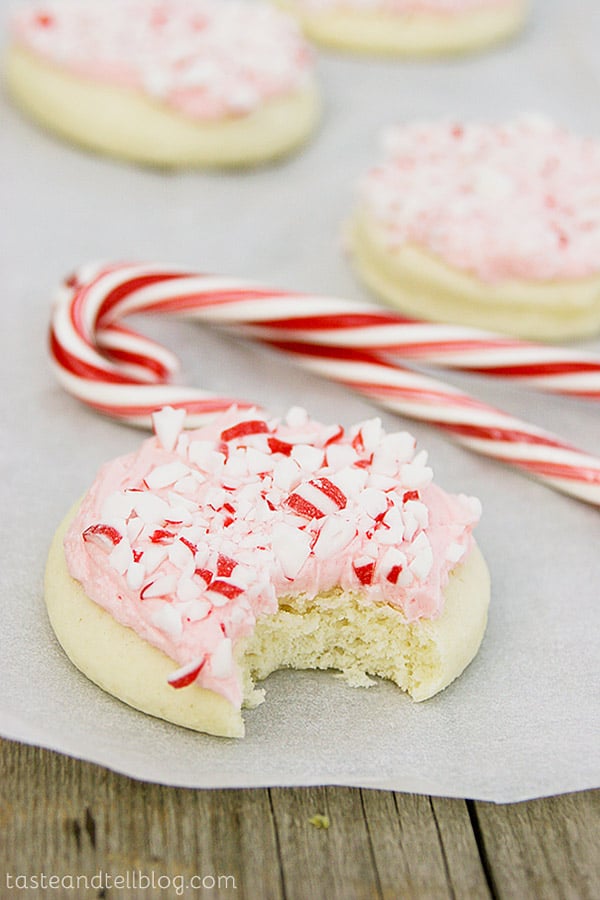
x=63 y=818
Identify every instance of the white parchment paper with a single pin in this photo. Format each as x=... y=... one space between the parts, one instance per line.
x=522 y=721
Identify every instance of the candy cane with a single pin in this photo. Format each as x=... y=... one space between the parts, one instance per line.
x=269 y=314
x=122 y=374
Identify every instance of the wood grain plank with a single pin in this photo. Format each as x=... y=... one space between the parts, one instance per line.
x=542 y=848
x=405 y=844
x=336 y=862
x=64 y=817
x=423 y=848
x=379 y=844
x=459 y=847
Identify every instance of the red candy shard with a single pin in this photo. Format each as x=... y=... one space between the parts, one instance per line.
x=410 y=495
x=242 y=429
x=304 y=507
x=357 y=442
x=145 y=589
x=394 y=574
x=364 y=571
x=137 y=555
x=206 y=574
x=231 y=591
x=277 y=446
x=185 y=676
x=331 y=490
x=103 y=533
x=225 y=565
x=336 y=436
x=162 y=536
x=188 y=544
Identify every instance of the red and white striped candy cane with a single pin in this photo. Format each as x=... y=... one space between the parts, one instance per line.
x=270 y=314
x=125 y=375
x=536 y=366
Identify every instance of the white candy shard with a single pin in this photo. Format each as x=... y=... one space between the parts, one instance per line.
x=454 y=552
x=160 y=587
x=401 y=444
x=121 y=557
x=473 y=504
x=309 y=458
x=134 y=528
x=167 y=619
x=221 y=663
x=181 y=555
x=163 y=476
x=417 y=510
x=188 y=589
x=351 y=480
x=136 y=574
x=204 y=455
x=197 y=610
x=296 y=417
x=153 y=556
x=423 y=561
x=373 y=502
x=291 y=547
x=336 y=533
x=258 y=462
x=370 y=432
x=415 y=476
x=116 y=506
x=167 y=424
x=340 y=455
x=150 y=508
x=384 y=461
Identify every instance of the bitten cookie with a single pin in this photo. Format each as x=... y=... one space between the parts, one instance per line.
x=496 y=226
x=172 y=83
x=210 y=558
x=409 y=27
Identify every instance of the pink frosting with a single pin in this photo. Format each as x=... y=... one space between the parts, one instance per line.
x=205 y=58
x=193 y=537
x=520 y=200
x=403 y=7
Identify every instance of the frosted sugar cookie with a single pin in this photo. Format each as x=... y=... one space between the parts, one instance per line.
x=208 y=559
x=173 y=83
x=495 y=226
x=409 y=27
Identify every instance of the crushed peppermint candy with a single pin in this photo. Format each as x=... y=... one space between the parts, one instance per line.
x=190 y=540
x=205 y=58
x=512 y=201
